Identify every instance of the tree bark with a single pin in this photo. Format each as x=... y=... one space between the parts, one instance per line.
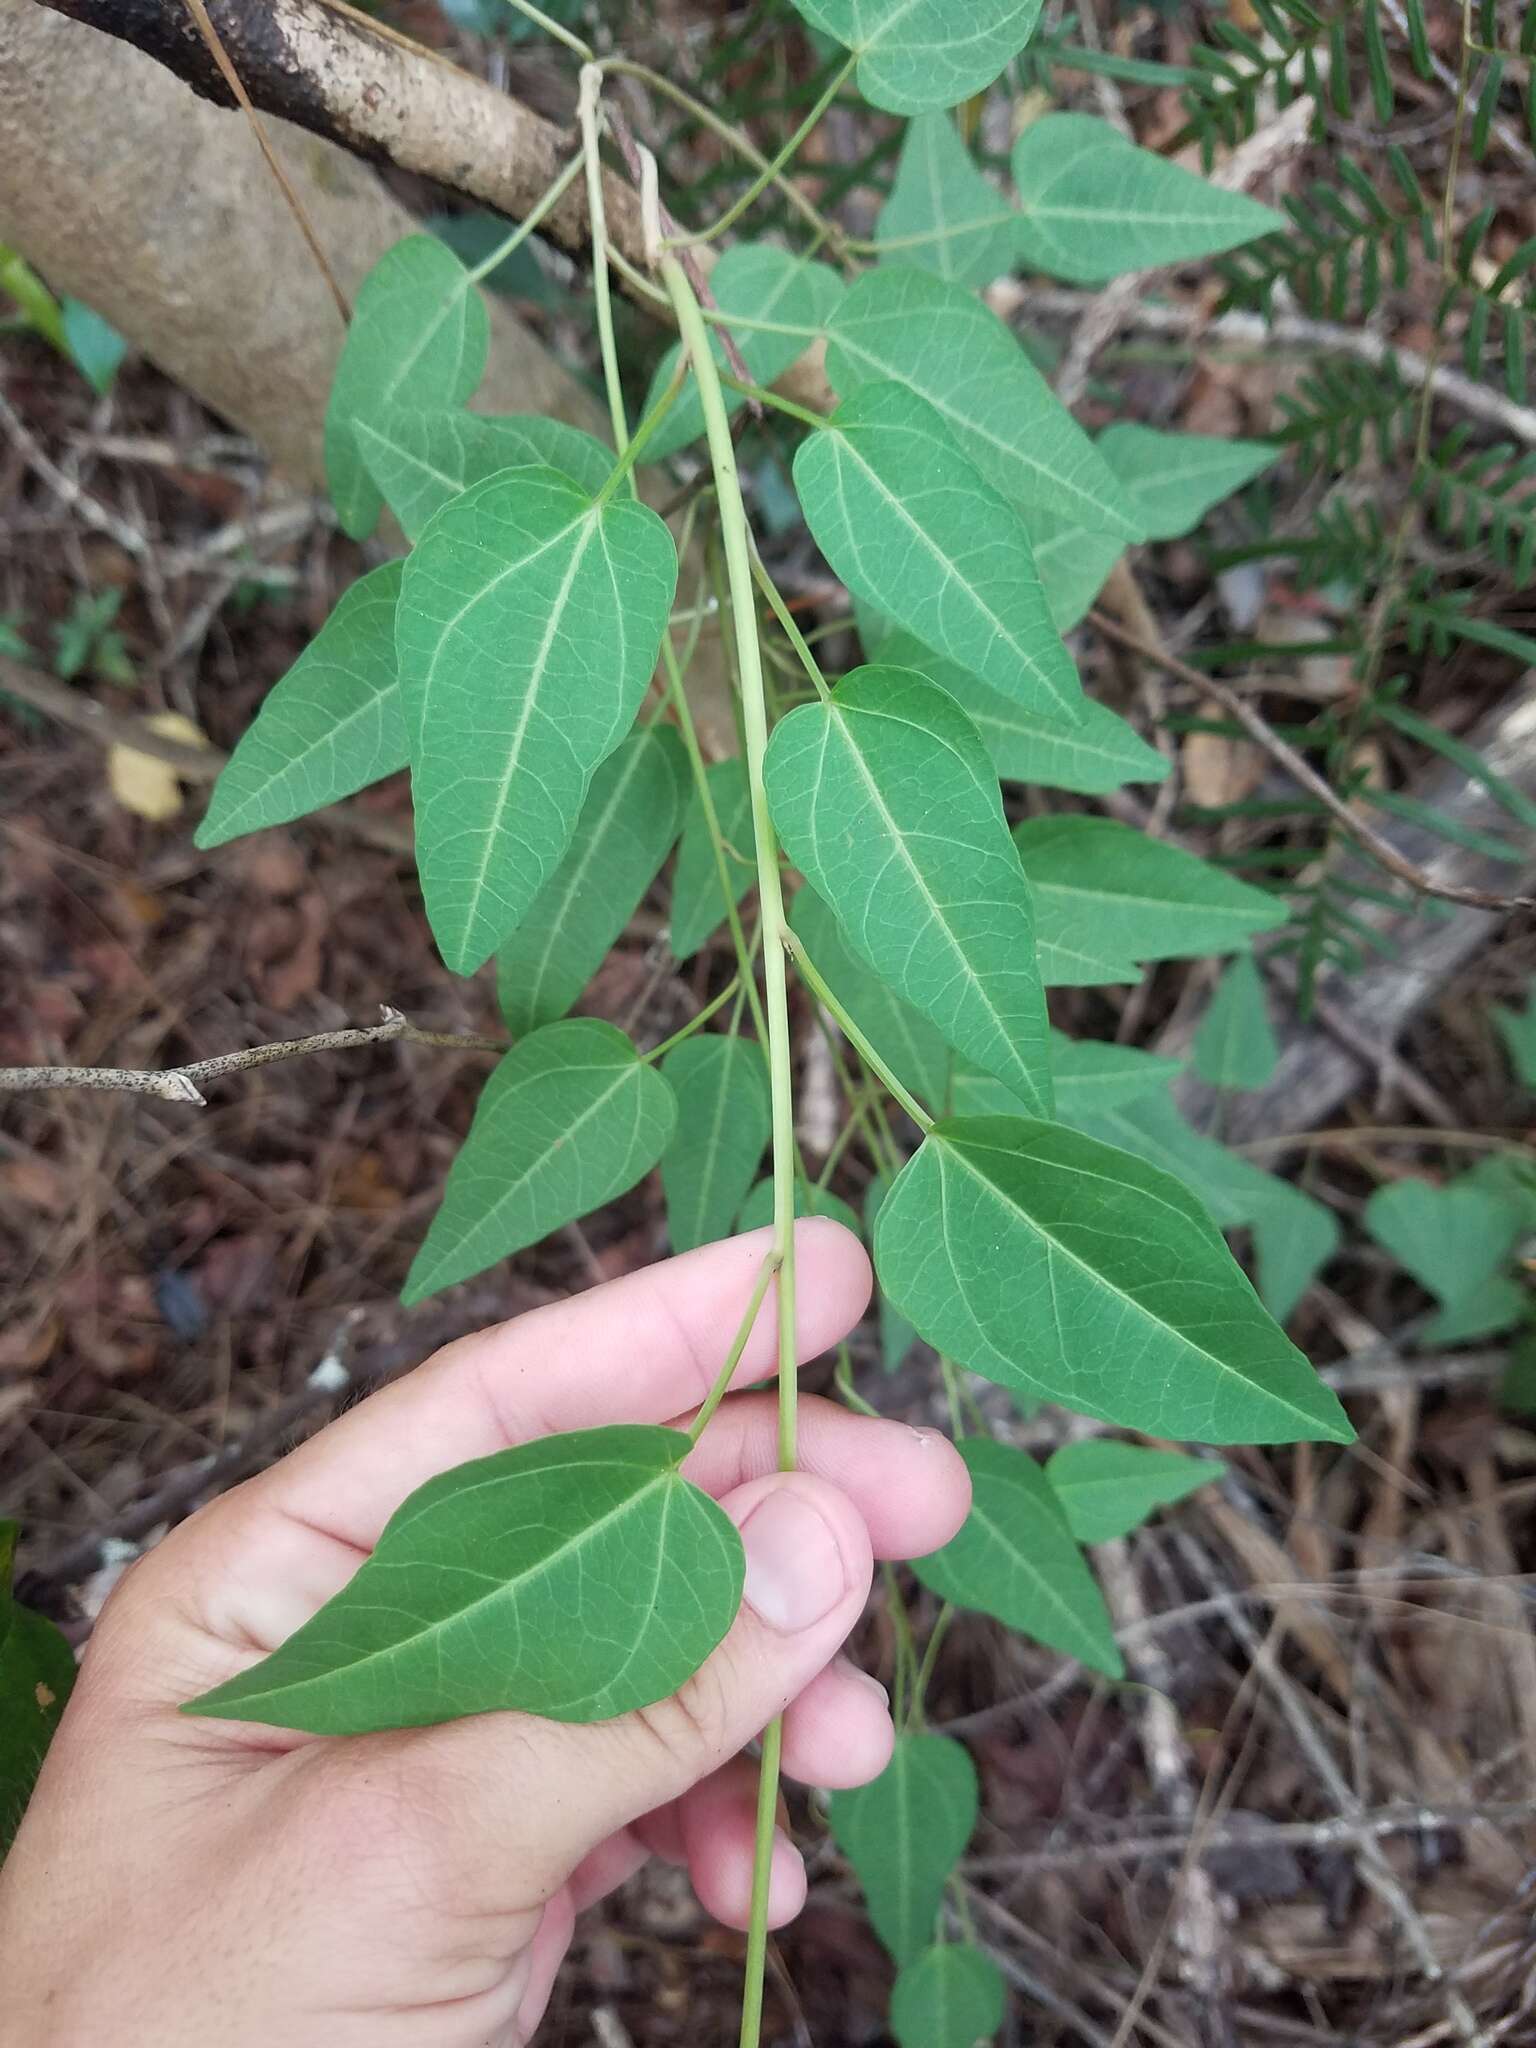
x=155 y=207
x=332 y=74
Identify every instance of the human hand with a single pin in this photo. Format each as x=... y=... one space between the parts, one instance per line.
x=179 y=1880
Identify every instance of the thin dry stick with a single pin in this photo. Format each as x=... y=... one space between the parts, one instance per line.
x=220 y=55
x=181 y=1084
x=1301 y=771
x=1375 y=1871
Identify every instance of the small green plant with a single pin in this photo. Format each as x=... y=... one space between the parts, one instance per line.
x=37 y=1671
x=1034 y=1233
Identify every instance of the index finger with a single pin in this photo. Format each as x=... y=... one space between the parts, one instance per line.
x=641 y=1349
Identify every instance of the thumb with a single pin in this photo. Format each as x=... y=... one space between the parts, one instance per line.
x=526 y=1799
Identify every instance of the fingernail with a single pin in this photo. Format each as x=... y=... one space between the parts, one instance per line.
x=794 y=1566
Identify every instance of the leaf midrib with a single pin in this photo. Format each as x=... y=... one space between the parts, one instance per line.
x=949 y=1150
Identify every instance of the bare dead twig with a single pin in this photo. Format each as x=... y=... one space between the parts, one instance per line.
x=210 y=35
x=183 y=1084
x=1285 y=756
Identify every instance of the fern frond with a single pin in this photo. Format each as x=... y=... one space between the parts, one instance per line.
x=1484 y=499
x=1339 y=405
x=1345 y=247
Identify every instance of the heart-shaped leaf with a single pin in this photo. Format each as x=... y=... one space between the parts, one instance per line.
x=626 y=830
x=952 y=1996
x=1070 y=1271
x=886 y=800
x=938 y=340
x=913 y=528
x=904 y=1832
x=421 y=456
x=918 y=54
x=1094 y=205
x=326 y=729
x=1107 y=1489
x=577 y=1577
x=942 y=214
x=1453 y=1240
x=569 y=1119
x=1015 y=1558
x=419 y=335
x=529 y=621
x=724 y=1113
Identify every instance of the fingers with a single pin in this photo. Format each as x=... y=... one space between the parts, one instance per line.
x=719 y=1827
x=838 y=1733
x=637 y=1350
x=559 y=1790
x=910 y=1485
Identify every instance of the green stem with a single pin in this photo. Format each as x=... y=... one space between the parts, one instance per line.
x=525 y=227
x=855 y=1036
x=762 y=1871
x=771 y=172
x=711 y=818
x=775 y=930
x=792 y=632
x=744 y=1329
x=554 y=28
x=647 y=427
x=695 y=1023
x=587 y=111
x=936 y=1635
x=764 y=396
x=826 y=229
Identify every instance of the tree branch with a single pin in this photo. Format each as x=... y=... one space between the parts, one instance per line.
x=382 y=97
x=182 y=1084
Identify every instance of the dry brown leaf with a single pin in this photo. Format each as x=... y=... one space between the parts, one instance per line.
x=144 y=784
x=1219 y=770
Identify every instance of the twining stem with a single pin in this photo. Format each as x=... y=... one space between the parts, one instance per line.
x=728 y=133
x=792 y=632
x=530 y=220
x=775 y=932
x=587 y=113
x=554 y=28
x=771 y=171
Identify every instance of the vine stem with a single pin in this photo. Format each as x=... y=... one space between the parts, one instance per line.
x=771 y=171
x=775 y=931
x=856 y=1037
x=588 y=116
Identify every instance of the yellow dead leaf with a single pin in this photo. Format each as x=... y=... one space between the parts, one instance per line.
x=1218 y=770
x=144 y=784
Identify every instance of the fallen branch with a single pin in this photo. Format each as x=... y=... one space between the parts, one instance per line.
x=1296 y=330
x=183 y=1084
x=341 y=76
x=1301 y=771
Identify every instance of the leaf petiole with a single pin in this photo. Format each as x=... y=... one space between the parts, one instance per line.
x=744 y=1329
x=854 y=1035
x=695 y=1023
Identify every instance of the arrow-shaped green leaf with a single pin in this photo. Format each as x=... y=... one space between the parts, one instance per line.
x=625 y=832
x=904 y=1832
x=942 y=214
x=328 y=728
x=937 y=339
x=913 y=528
x=1014 y=1558
x=1107 y=1489
x=578 y=1577
x=886 y=800
x=419 y=335
x=1070 y=1271
x=1094 y=205
x=529 y=621
x=918 y=54
x=569 y=1119
x=422 y=456
x=952 y=1996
